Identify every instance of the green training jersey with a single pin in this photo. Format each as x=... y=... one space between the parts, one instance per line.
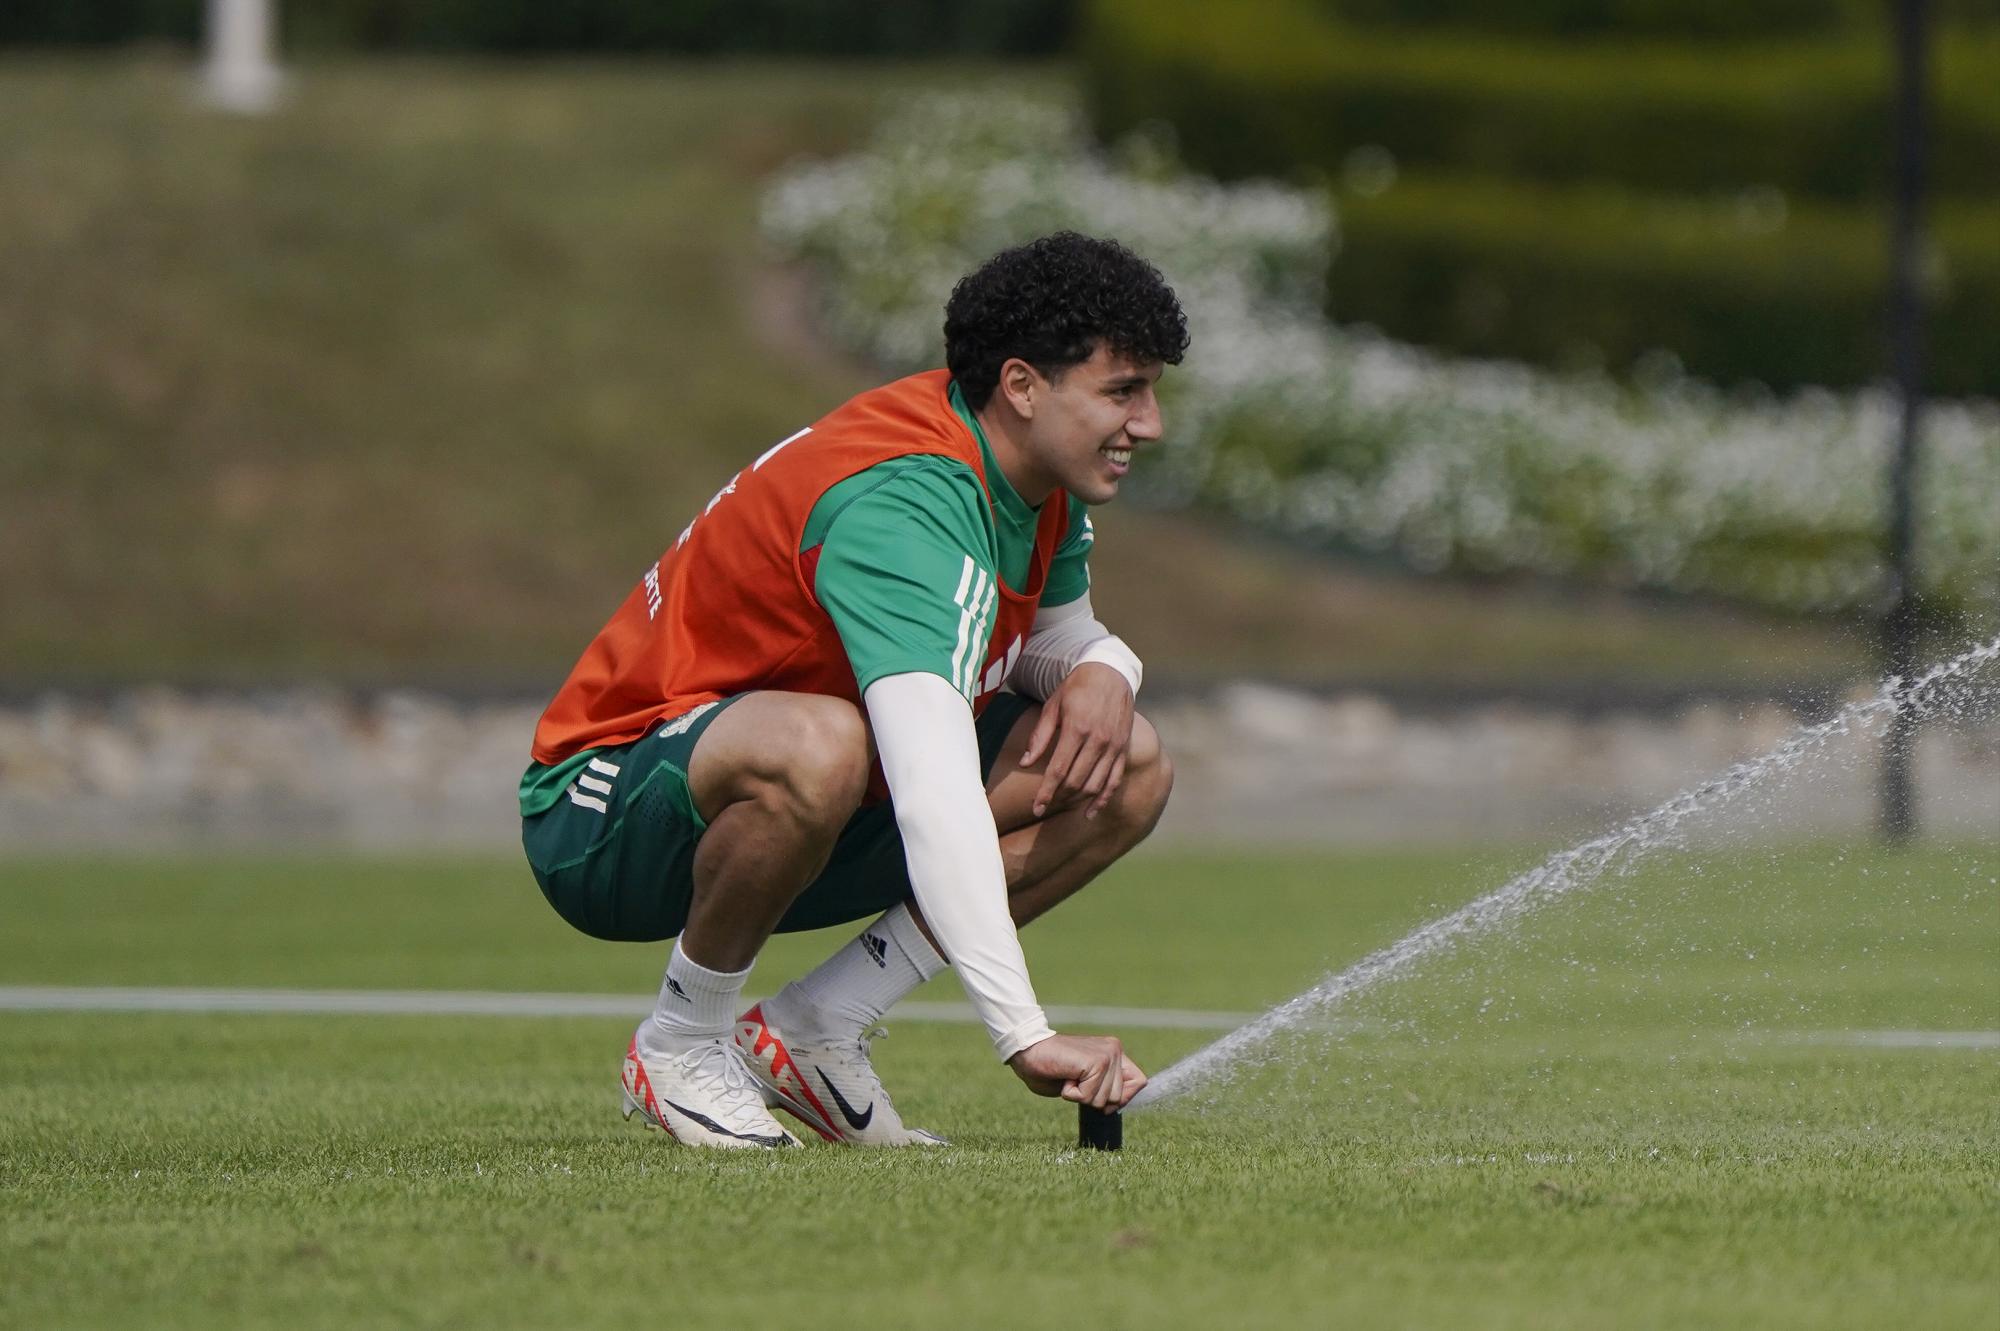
x=897 y=544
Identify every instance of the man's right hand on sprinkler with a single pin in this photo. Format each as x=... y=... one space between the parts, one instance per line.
x=1088 y=1069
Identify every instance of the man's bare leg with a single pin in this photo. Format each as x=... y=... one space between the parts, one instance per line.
x=1048 y=859
x=775 y=776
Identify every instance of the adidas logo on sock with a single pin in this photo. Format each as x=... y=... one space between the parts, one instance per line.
x=679 y=992
x=876 y=949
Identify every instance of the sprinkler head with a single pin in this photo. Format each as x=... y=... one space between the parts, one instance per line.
x=1097 y=1130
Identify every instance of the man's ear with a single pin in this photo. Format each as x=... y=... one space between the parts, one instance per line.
x=1021 y=385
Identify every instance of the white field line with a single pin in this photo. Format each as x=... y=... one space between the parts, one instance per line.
x=484 y=1003
x=462 y=1003
x=1905 y=1039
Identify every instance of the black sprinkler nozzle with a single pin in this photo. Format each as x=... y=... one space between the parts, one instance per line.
x=1097 y=1130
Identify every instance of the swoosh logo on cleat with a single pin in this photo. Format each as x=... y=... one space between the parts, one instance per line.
x=856 y=1121
x=715 y=1127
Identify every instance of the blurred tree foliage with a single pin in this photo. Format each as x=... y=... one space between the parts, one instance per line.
x=817 y=27
x=1552 y=197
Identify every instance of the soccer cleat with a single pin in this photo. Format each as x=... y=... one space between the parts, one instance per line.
x=826 y=1082
x=703 y=1096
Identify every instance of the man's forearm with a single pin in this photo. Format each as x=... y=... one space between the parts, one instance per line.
x=1064 y=637
x=930 y=755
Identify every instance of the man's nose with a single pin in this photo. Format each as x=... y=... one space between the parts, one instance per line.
x=1145 y=422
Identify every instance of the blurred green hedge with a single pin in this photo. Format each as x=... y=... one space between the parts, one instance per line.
x=1635 y=18
x=1736 y=288
x=98 y=22
x=817 y=27
x=1265 y=86
x=1567 y=201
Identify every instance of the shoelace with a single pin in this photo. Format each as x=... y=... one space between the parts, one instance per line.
x=717 y=1068
x=860 y=1045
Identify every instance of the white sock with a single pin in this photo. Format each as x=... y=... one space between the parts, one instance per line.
x=696 y=1003
x=856 y=985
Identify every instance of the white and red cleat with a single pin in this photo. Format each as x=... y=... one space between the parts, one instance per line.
x=701 y=1095
x=824 y=1081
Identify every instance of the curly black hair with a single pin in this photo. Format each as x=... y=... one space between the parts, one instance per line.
x=1050 y=302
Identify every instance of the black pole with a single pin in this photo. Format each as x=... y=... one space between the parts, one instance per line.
x=1897 y=813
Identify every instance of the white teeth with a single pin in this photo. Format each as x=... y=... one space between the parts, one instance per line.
x=1118 y=455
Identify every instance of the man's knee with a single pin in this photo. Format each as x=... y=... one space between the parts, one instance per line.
x=807 y=762
x=824 y=768
x=1149 y=778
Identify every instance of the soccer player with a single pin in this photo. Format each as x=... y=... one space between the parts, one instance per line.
x=893 y=602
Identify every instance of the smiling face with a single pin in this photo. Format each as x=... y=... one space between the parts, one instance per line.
x=1079 y=429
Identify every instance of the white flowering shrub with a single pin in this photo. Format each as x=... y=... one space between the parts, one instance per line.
x=1343 y=437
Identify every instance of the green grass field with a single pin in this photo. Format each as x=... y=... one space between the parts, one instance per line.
x=1628 y=1112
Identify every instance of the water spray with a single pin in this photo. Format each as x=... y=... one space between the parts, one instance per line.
x=1564 y=872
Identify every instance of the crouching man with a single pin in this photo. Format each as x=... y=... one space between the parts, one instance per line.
x=867 y=681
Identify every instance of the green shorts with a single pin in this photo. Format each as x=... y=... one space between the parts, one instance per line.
x=618 y=863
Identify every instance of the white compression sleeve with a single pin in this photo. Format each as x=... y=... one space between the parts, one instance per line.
x=930 y=754
x=1064 y=637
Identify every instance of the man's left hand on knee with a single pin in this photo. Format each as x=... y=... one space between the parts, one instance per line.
x=1085 y=731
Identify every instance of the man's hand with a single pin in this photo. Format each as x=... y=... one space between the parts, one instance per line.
x=1085 y=730
x=1088 y=1069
